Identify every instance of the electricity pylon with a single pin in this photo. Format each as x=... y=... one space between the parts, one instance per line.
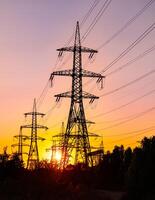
x=21 y=139
x=33 y=155
x=57 y=146
x=76 y=134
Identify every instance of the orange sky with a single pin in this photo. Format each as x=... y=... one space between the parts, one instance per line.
x=31 y=31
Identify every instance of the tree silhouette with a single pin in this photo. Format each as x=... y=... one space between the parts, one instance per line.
x=141 y=173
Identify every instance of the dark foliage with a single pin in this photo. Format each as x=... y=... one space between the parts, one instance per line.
x=141 y=173
x=121 y=170
x=113 y=169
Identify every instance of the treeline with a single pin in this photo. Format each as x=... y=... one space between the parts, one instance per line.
x=127 y=170
x=130 y=170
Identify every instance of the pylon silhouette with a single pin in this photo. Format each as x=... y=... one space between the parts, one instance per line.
x=76 y=144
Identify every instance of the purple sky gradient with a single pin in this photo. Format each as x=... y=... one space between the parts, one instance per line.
x=30 y=33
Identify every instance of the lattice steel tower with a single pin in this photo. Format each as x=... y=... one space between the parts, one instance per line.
x=33 y=155
x=76 y=135
x=21 y=143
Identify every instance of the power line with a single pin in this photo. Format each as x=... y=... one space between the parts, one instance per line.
x=128 y=84
x=85 y=18
x=81 y=24
x=131 y=132
x=132 y=118
x=42 y=96
x=95 y=3
x=130 y=47
x=122 y=87
x=132 y=61
x=44 y=92
x=131 y=20
x=124 y=138
x=120 y=119
x=126 y=104
x=146 y=52
x=49 y=112
x=117 y=120
x=136 y=90
x=57 y=123
x=76 y=118
x=96 y=19
x=128 y=23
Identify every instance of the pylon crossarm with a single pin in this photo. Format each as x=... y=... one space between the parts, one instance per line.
x=73 y=147
x=65 y=94
x=68 y=72
x=78 y=49
x=27 y=126
x=88 y=50
x=71 y=48
x=87 y=95
x=58 y=135
x=37 y=126
x=42 y=127
x=34 y=113
x=82 y=121
x=14 y=145
x=20 y=136
x=74 y=135
x=86 y=73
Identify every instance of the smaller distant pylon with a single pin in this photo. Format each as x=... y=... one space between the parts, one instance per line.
x=33 y=155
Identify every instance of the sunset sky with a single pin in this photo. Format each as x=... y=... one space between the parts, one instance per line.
x=30 y=33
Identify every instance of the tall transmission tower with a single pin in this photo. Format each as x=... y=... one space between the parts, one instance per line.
x=76 y=135
x=33 y=155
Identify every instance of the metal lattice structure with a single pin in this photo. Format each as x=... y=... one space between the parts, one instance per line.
x=21 y=143
x=33 y=155
x=57 y=146
x=76 y=135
